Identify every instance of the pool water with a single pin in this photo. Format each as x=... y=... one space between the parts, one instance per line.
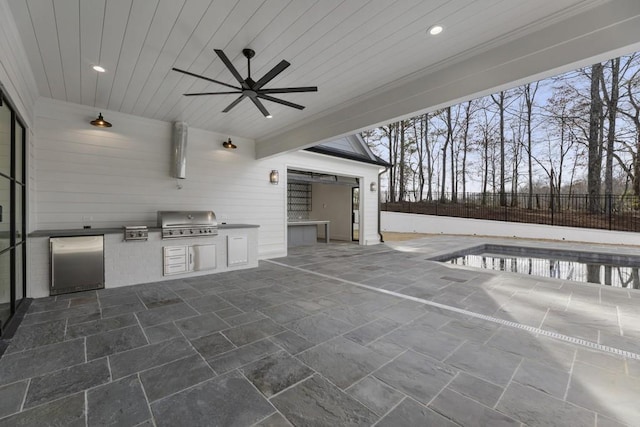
x=603 y=273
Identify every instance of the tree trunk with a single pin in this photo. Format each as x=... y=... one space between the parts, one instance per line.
x=595 y=160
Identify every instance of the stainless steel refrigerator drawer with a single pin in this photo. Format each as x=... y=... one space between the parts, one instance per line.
x=77 y=263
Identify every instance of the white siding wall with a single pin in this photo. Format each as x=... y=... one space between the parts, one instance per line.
x=119 y=176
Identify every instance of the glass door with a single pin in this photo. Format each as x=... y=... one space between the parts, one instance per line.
x=12 y=211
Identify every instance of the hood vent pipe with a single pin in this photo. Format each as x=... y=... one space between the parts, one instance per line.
x=179 y=147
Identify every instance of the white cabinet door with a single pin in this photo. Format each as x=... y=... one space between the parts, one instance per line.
x=237 y=250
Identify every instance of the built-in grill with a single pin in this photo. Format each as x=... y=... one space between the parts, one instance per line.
x=179 y=224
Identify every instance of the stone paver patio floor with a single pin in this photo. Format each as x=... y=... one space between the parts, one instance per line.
x=333 y=335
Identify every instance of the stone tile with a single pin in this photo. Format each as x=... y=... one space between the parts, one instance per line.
x=245 y=334
x=27 y=337
x=67 y=412
x=371 y=331
x=476 y=388
x=613 y=395
x=204 y=324
x=291 y=342
x=165 y=314
x=228 y=312
x=342 y=361
x=157 y=296
x=351 y=315
x=11 y=397
x=275 y=420
x=117 y=310
x=275 y=373
x=535 y=408
x=475 y=330
x=212 y=345
x=375 y=395
x=467 y=412
x=489 y=363
x=244 y=318
x=229 y=400
x=82 y=319
x=411 y=413
x=45 y=304
x=98 y=326
x=50 y=316
x=606 y=361
x=245 y=301
x=162 y=332
x=67 y=381
x=241 y=356
x=539 y=348
x=387 y=349
x=284 y=313
x=208 y=303
x=115 y=341
x=175 y=376
x=319 y=328
x=545 y=378
x=416 y=375
x=149 y=356
x=425 y=340
x=126 y=298
x=403 y=312
x=602 y=421
x=119 y=403
x=40 y=360
x=316 y=402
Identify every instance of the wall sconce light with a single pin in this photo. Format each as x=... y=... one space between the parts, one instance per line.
x=100 y=122
x=373 y=186
x=274 y=177
x=229 y=144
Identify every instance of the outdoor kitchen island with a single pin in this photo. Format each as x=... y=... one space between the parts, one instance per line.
x=135 y=262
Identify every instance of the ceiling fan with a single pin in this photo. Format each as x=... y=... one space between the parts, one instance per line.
x=254 y=90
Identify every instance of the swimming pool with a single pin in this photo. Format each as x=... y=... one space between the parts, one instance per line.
x=591 y=267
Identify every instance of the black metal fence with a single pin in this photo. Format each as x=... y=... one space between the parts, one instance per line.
x=611 y=212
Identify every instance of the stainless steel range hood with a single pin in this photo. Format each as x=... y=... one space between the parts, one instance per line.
x=179 y=150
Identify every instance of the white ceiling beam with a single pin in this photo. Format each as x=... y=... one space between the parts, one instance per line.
x=595 y=35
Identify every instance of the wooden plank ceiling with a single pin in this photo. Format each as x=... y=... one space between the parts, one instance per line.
x=348 y=48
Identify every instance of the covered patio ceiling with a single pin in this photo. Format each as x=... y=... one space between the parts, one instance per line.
x=372 y=60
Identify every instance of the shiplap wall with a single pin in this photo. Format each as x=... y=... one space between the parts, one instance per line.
x=121 y=176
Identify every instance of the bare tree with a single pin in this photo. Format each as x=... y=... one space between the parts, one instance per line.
x=595 y=157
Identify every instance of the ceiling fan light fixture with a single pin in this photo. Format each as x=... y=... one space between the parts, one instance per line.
x=229 y=145
x=269 y=116
x=100 y=122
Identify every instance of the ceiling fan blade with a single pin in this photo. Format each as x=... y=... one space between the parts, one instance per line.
x=204 y=78
x=289 y=89
x=280 y=101
x=260 y=106
x=211 y=93
x=231 y=68
x=234 y=103
x=271 y=74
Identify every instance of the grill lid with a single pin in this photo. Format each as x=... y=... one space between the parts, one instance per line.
x=175 y=219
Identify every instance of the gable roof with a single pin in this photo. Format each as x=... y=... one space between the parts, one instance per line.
x=350 y=147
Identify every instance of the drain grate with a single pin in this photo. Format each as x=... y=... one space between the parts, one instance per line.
x=534 y=330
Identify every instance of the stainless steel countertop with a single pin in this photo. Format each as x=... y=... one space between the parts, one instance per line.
x=115 y=230
x=307 y=222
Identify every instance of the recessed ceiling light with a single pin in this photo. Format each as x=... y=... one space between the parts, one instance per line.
x=435 y=30
x=99 y=69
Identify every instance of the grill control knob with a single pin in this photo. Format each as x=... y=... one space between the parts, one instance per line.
x=170 y=233
x=191 y=231
x=181 y=231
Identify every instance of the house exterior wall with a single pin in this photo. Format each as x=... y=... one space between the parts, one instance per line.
x=122 y=176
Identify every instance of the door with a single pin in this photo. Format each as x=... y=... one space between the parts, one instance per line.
x=12 y=211
x=355 y=214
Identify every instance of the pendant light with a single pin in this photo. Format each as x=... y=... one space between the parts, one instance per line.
x=230 y=145
x=101 y=122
